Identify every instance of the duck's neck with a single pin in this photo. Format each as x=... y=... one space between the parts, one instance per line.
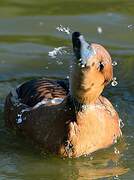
x=82 y=107
x=83 y=95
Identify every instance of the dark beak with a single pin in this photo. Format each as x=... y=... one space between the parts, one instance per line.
x=76 y=44
x=81 y=48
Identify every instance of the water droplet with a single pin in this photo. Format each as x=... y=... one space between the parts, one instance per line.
x=91 y=158
x=121 y=123
x=99 y=29
x=114 y=63
x=41 y=23
x=115 y=141
x=116 y=177
x=71 y=66
x=19 y=119
x=114 y=83
x=83 y=65
x=116 y=151
x=130 y=26
x=57 y=100
x=59 y=62
x=19 y=116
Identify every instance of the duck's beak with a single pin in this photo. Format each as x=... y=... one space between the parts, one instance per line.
x=82 y=50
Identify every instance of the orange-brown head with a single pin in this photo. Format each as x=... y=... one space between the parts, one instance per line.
x=92 y=69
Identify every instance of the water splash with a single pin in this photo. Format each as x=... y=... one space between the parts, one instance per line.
x=17 y=102
x=114 y=82
x=59 y=50
x=20 y=119
x=57 y=100
x=59 y=62
x=130 y=26
x=53 y=101
x=61 y=28
x=49 y=101
x=43 y=102
x=114 y=63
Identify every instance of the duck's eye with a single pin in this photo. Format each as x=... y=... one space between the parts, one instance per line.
x=101 y=66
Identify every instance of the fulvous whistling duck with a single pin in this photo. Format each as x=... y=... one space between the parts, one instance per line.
x=68 y=118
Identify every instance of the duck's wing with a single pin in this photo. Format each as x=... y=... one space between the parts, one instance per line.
x=34 y=91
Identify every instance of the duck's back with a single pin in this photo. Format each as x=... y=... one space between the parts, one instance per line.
x=36 y=110
x=37 y=90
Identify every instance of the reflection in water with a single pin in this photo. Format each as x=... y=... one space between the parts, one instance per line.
x=24 y=162
x=102 y=164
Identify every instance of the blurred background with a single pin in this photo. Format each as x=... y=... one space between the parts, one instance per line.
x=27 y=33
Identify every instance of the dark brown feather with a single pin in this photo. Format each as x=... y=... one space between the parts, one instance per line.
x=34 y=91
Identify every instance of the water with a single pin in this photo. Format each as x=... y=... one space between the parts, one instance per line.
x=27 y=33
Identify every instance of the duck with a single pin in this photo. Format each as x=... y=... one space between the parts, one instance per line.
x=68 y=118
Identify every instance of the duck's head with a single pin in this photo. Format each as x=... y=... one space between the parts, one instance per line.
x=92 y=69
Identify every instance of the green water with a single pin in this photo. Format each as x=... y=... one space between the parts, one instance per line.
x=27 y=33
